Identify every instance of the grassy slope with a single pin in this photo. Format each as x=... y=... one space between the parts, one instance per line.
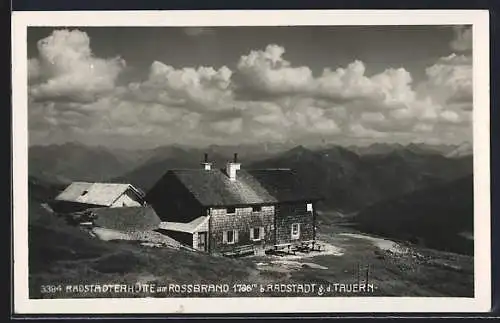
x=432 y=217
x=60 y=254
x=432 y=273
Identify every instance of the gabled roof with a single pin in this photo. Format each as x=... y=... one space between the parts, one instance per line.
x=103 y=194
x=190 y=227
x=136 y=218
x=269 y=186
x=285 y=185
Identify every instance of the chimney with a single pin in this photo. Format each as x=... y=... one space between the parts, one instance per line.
x=232 y=167
x=206 y=164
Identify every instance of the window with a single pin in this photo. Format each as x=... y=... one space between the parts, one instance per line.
x=256 y=208
x=295 y=231
x=309 y=207
x=257 y=234
x=231 y=210
x=268 y=208
x=230 y=237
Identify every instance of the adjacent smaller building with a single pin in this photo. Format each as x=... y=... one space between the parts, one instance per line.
x=192 y=234
x=79 y=196
x=125 y=219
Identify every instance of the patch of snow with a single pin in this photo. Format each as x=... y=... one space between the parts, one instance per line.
x=47 y=207
x=313 y=265
x=108 y=234
x=146 y=278
x=384 y=244
x=467 y=235
x=148 y=238
x=151 y=244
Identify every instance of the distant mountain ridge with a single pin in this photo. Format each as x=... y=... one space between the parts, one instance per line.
x=384 y=148
x=77 y=162
x=465 y=149
x=71 y=161
x=348 y=180
x=437 y=217
x=351 y=182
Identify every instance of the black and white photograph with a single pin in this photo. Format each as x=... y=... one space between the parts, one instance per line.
x=253 y=161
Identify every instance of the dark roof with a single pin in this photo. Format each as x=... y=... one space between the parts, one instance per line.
x=138 y=218
x=285 y=185
x=269 y=186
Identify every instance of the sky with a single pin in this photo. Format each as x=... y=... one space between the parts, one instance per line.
x=134 y=87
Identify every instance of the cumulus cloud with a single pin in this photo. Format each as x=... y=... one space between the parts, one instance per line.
x=114 y=117
x=67 y=69
x=359 y=131
x=289 y=118
x=347 y=100
x=265 y=98
x=200 y=88
x=311 y=119
x=423 y=127
x=373 y=117
x=229 y=127
x=462 y=38
x=267 y=72
x=450 y=116
x=449 y=81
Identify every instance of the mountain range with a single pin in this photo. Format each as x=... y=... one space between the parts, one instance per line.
x=440 y=217
x=350 y=182
x=72 y=161
x=347 y=180
x=77 y=162
x=407 y=192
x=385 y=148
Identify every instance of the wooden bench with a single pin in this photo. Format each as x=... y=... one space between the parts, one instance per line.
x=314 y=245
x=310 y=245
x=239 y=251
x=287 y=246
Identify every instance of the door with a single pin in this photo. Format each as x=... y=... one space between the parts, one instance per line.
x=202 y=241
x=295 y=232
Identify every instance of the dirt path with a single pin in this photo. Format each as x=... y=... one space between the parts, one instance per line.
x=383 y=244
x=395 y=269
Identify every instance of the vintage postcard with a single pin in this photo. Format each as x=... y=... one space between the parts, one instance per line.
x=251 y=161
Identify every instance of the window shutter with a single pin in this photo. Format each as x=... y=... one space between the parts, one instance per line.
x=235 y=236
x=224 y=237
x=262 y=232
x=251 y=233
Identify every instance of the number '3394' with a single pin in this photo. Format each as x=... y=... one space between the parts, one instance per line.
x=50 y=288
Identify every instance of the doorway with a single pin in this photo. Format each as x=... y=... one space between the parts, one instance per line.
x=202 y=241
